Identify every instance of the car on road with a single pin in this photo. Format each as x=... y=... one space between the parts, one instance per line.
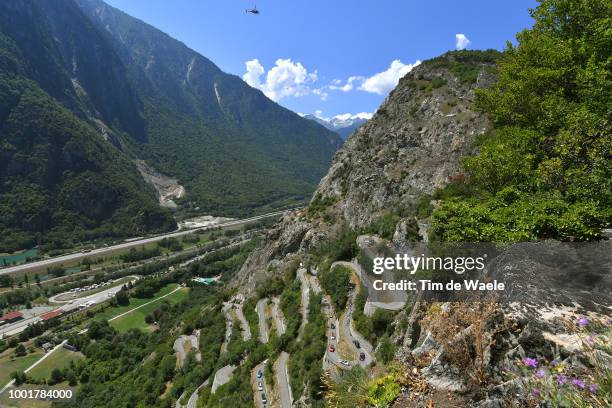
x=331 y=348
x=263 y=399
x=362 y=356
x=356 y=343
x=260 y=386
x=259 y=374
x=344 y=362
x=332 y=336
x=333 y=326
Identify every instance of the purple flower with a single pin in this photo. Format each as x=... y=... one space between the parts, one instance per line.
x=536 y=392
x=591 y=340
x=530 y=362
x=578 y=383
x=540 y=373
x=593 y=388
x=554 y=362
x=561 y=379
x=583 y=322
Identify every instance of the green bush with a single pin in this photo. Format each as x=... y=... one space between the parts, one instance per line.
x=438 y=82
x=336 y=282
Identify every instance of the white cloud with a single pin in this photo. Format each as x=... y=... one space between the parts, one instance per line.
x=380 y=83
x=320 y=92
x=348 y=86
x=385 y=81
x=348 y=116
x=462 y=41
x=285 y=78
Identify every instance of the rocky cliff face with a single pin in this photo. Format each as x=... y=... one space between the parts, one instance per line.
x=412 y=145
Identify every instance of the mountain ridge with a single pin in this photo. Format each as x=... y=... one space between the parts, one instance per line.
x=235 y=151
x=180 y=82
x=342 y=126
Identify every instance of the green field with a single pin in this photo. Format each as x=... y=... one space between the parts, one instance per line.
x=136 y=319
x=59 y=359
x=9 y=365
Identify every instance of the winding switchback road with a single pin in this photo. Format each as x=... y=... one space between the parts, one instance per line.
x=244 y=324
x=282 y=377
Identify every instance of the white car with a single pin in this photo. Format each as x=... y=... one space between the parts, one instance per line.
x=344 y=362
x=260 y=386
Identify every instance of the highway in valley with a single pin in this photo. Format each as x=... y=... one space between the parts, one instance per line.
x=126 y=245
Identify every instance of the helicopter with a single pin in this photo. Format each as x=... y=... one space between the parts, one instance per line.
x=253 y=10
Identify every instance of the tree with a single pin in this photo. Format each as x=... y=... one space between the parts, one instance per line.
x=19 y=377
x=84 y=376
x=56 y=271
x=20 y=350
x=56 y=376
x=545 y=171
x=122 y=298
x=6 y=281
x=167 y=366
x=71 y=378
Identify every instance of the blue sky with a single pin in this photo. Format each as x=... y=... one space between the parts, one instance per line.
x=302 y=53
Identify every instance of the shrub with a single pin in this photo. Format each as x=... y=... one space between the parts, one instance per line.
x=386 y=349
x=465 y=348
x=438 y=82
x=336 y=283
x=20 y=350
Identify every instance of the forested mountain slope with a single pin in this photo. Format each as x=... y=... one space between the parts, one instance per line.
x=232 y=147
x=135 y=93
x=61 y=182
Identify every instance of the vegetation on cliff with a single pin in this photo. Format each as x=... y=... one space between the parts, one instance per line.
x=546 y=169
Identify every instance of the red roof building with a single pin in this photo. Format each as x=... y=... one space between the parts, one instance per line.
x=51 y=315
x=11 y=317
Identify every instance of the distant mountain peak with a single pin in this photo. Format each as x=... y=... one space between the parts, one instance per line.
x=344 y=124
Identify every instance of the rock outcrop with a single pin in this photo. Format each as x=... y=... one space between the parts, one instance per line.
x=412 y=145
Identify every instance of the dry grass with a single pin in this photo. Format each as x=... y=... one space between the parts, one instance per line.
x=466 y=331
